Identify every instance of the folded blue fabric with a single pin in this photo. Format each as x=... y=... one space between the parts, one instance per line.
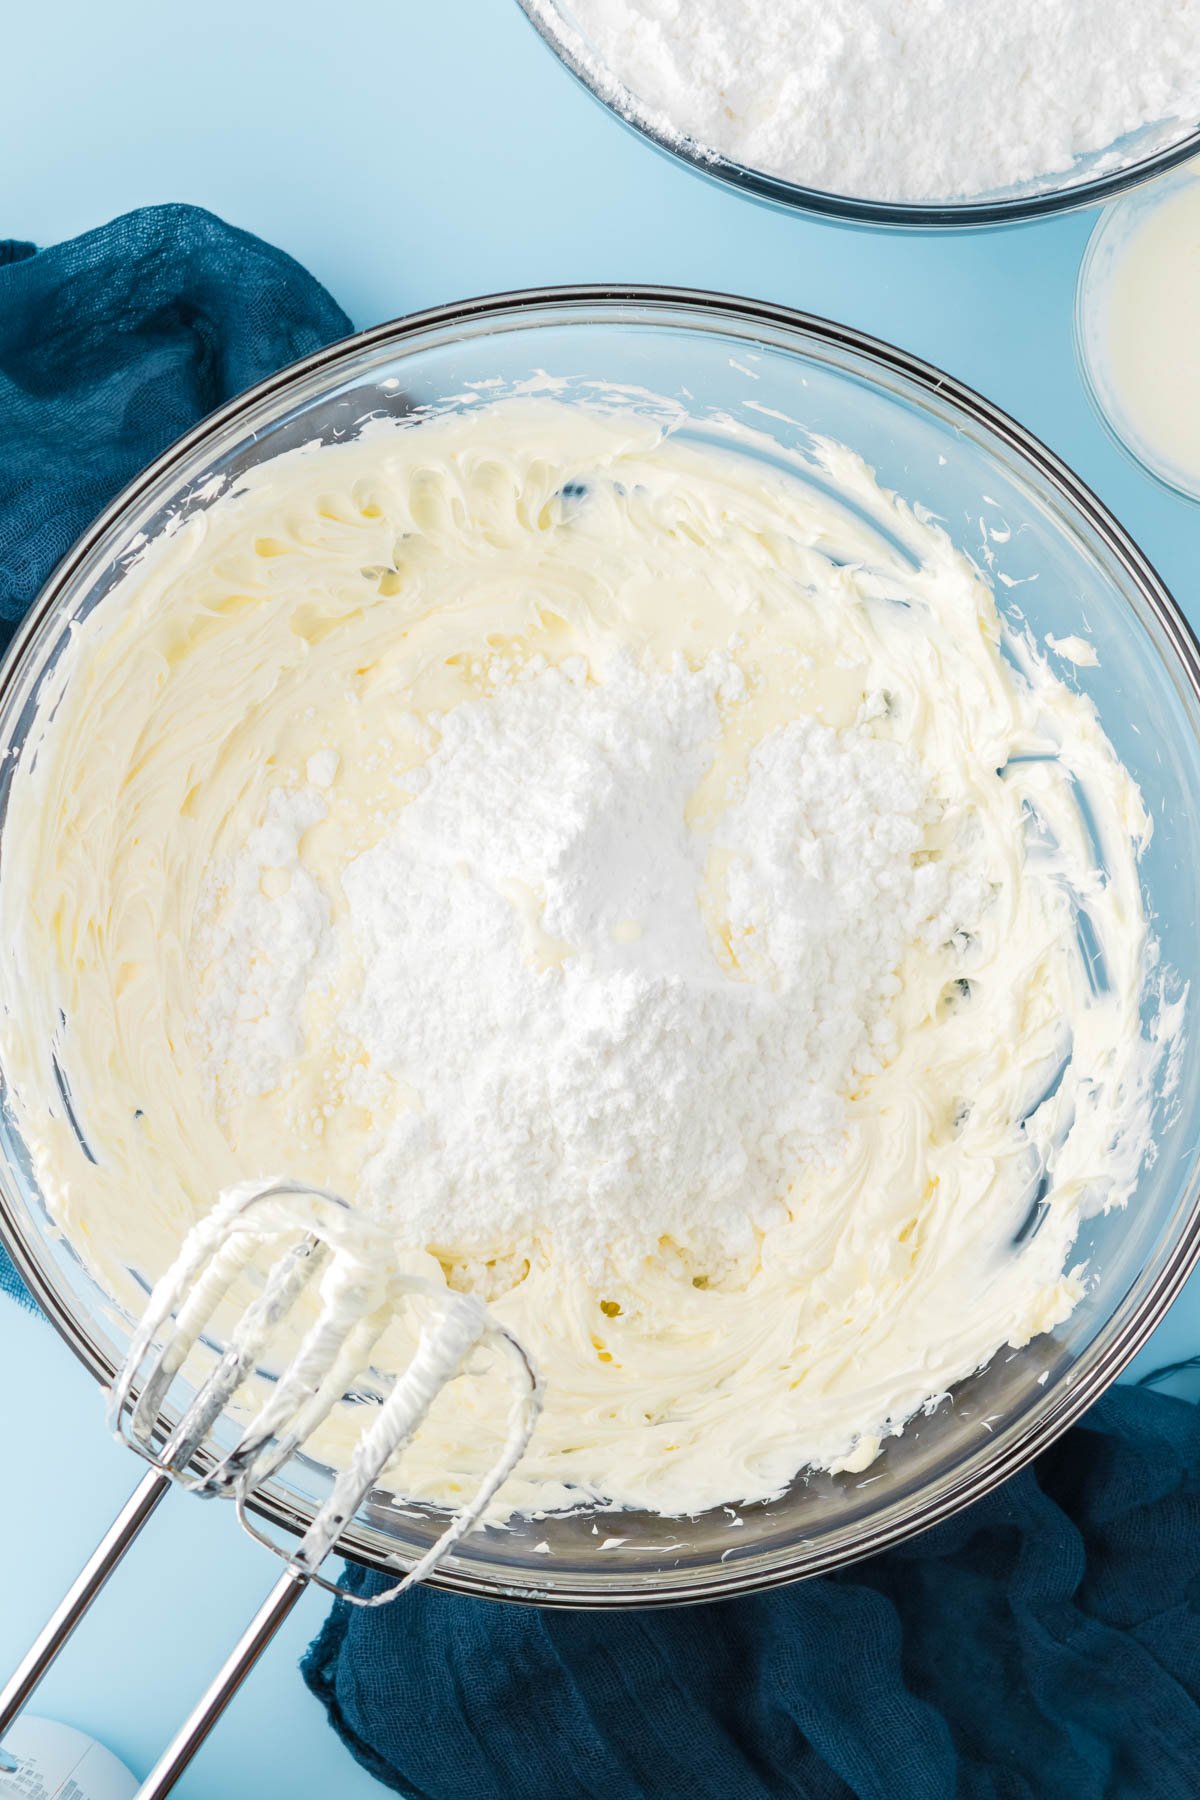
x=113 y=345
x=11 y=1283
x=1044 y=1645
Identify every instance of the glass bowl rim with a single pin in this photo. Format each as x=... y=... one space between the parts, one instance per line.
x=790 y=196
x=1057 y=1410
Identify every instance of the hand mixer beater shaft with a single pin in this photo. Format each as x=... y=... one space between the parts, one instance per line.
x=359 y=1289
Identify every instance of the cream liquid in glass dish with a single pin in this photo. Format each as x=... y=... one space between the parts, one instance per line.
x=1136 y=312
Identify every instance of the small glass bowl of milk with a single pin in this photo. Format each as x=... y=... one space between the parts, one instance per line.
x=1137 y=326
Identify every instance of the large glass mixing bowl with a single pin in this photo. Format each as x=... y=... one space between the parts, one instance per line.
x=1059 y=560
x=1099 y=176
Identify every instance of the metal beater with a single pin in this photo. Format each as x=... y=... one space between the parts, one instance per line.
x=360 y=1290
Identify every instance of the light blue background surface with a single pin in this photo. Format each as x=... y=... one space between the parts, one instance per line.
x=411 y=154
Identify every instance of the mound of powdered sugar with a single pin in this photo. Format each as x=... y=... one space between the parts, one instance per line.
x=265 y=946
x=900 y=99
x=584 y=1016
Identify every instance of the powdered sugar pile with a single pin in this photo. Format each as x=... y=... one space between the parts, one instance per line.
x=900 y=99
x=265 y=941
x=586 y=1017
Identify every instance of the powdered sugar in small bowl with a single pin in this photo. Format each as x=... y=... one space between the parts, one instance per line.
x=897 y=112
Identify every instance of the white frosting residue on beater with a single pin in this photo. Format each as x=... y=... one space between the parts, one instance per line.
x=658 y=892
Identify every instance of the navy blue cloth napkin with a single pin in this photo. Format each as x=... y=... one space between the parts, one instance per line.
x=116 y=343
x=1045 y=1645
x=10 y=1281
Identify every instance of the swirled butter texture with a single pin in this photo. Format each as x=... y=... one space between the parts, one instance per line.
x=666 y=893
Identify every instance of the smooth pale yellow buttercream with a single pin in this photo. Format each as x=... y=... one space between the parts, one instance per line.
x=344 y=595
